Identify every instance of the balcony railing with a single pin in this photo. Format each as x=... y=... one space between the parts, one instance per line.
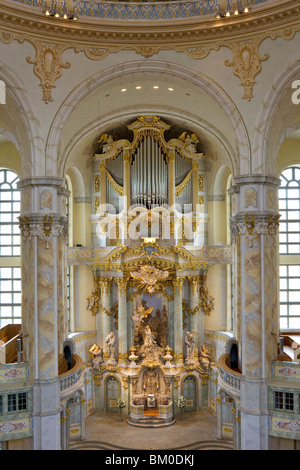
x=72 y=379
x=229 y=380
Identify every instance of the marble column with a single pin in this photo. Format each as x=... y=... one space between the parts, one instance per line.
x=122 y=319
x=102 y=168
x=195 y=167
x=43 y=226
x=63 y=430
x=178 y=320
x=171 y=175
x=196 y=315
x=126 y=171
x=254 y=233
x=106 y=318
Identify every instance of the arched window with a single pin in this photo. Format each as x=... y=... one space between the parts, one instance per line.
x=289 y=248
x=10 y=249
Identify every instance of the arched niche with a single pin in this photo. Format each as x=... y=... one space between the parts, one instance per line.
x=233 y=350
x=74 y=126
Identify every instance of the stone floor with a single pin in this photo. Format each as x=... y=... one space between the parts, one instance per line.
x=195 y=430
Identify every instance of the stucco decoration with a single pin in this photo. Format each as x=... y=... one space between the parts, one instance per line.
x=246 y=60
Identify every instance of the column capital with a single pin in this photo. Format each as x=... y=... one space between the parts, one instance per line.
x=45 y=227
x=105 y=283
x=254 y=224
x=171 y=155
x=178 y=282
x=127 y=156
x=122 y=283
x=194 y=282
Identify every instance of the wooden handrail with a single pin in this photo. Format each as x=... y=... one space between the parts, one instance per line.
x=223 y=362
x=76 y=364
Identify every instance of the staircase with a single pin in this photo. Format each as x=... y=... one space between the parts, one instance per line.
x=202 y=445
x=150 y=421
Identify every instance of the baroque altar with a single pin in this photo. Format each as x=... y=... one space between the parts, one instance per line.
x=149 y=260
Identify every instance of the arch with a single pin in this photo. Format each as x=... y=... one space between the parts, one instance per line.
x=221 y=179
x=77 y=182
x=26 y=136
x=274 y=121
x=189 y=389
x=233 y=350
x=110 y=401
x=68 y=350
x=237 y=152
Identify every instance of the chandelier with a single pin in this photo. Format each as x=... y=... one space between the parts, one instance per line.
x=60 y=9
x=229 y=8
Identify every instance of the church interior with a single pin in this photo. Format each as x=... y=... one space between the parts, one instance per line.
x=150 y=222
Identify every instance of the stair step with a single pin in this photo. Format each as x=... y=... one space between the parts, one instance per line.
x=150 y=423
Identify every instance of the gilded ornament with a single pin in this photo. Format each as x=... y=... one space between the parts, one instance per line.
x=181 y=187
x=112 y=311
x=147 y=51
x=176 y=381
x=48 y=65
x=93 y=300
x=190 y=311
x=246 y=63
x=150 y=278
x=97 y=184
x=97 y=202
x=178 y=283
x=200 y=182
x=117 y=187
x=207 y=301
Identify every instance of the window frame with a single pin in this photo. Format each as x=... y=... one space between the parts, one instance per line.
x=10 y=309
x=289 y=257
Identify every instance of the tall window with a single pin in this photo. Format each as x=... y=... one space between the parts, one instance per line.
x=69 y=214
x=289 y=248
x=9 y=213
x=10 y=248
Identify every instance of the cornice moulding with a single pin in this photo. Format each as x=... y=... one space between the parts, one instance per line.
x=156 y=33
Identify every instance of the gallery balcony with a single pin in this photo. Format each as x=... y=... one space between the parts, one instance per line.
x=70 y=380
x=229 y=380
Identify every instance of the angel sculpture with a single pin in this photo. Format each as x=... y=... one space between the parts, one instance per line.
x=190 y=141
x=93 y=300
x=105 y=142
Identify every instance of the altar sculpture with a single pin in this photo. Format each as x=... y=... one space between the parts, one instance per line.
x=110 y=343
x=189 y=347
x=97 y=355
